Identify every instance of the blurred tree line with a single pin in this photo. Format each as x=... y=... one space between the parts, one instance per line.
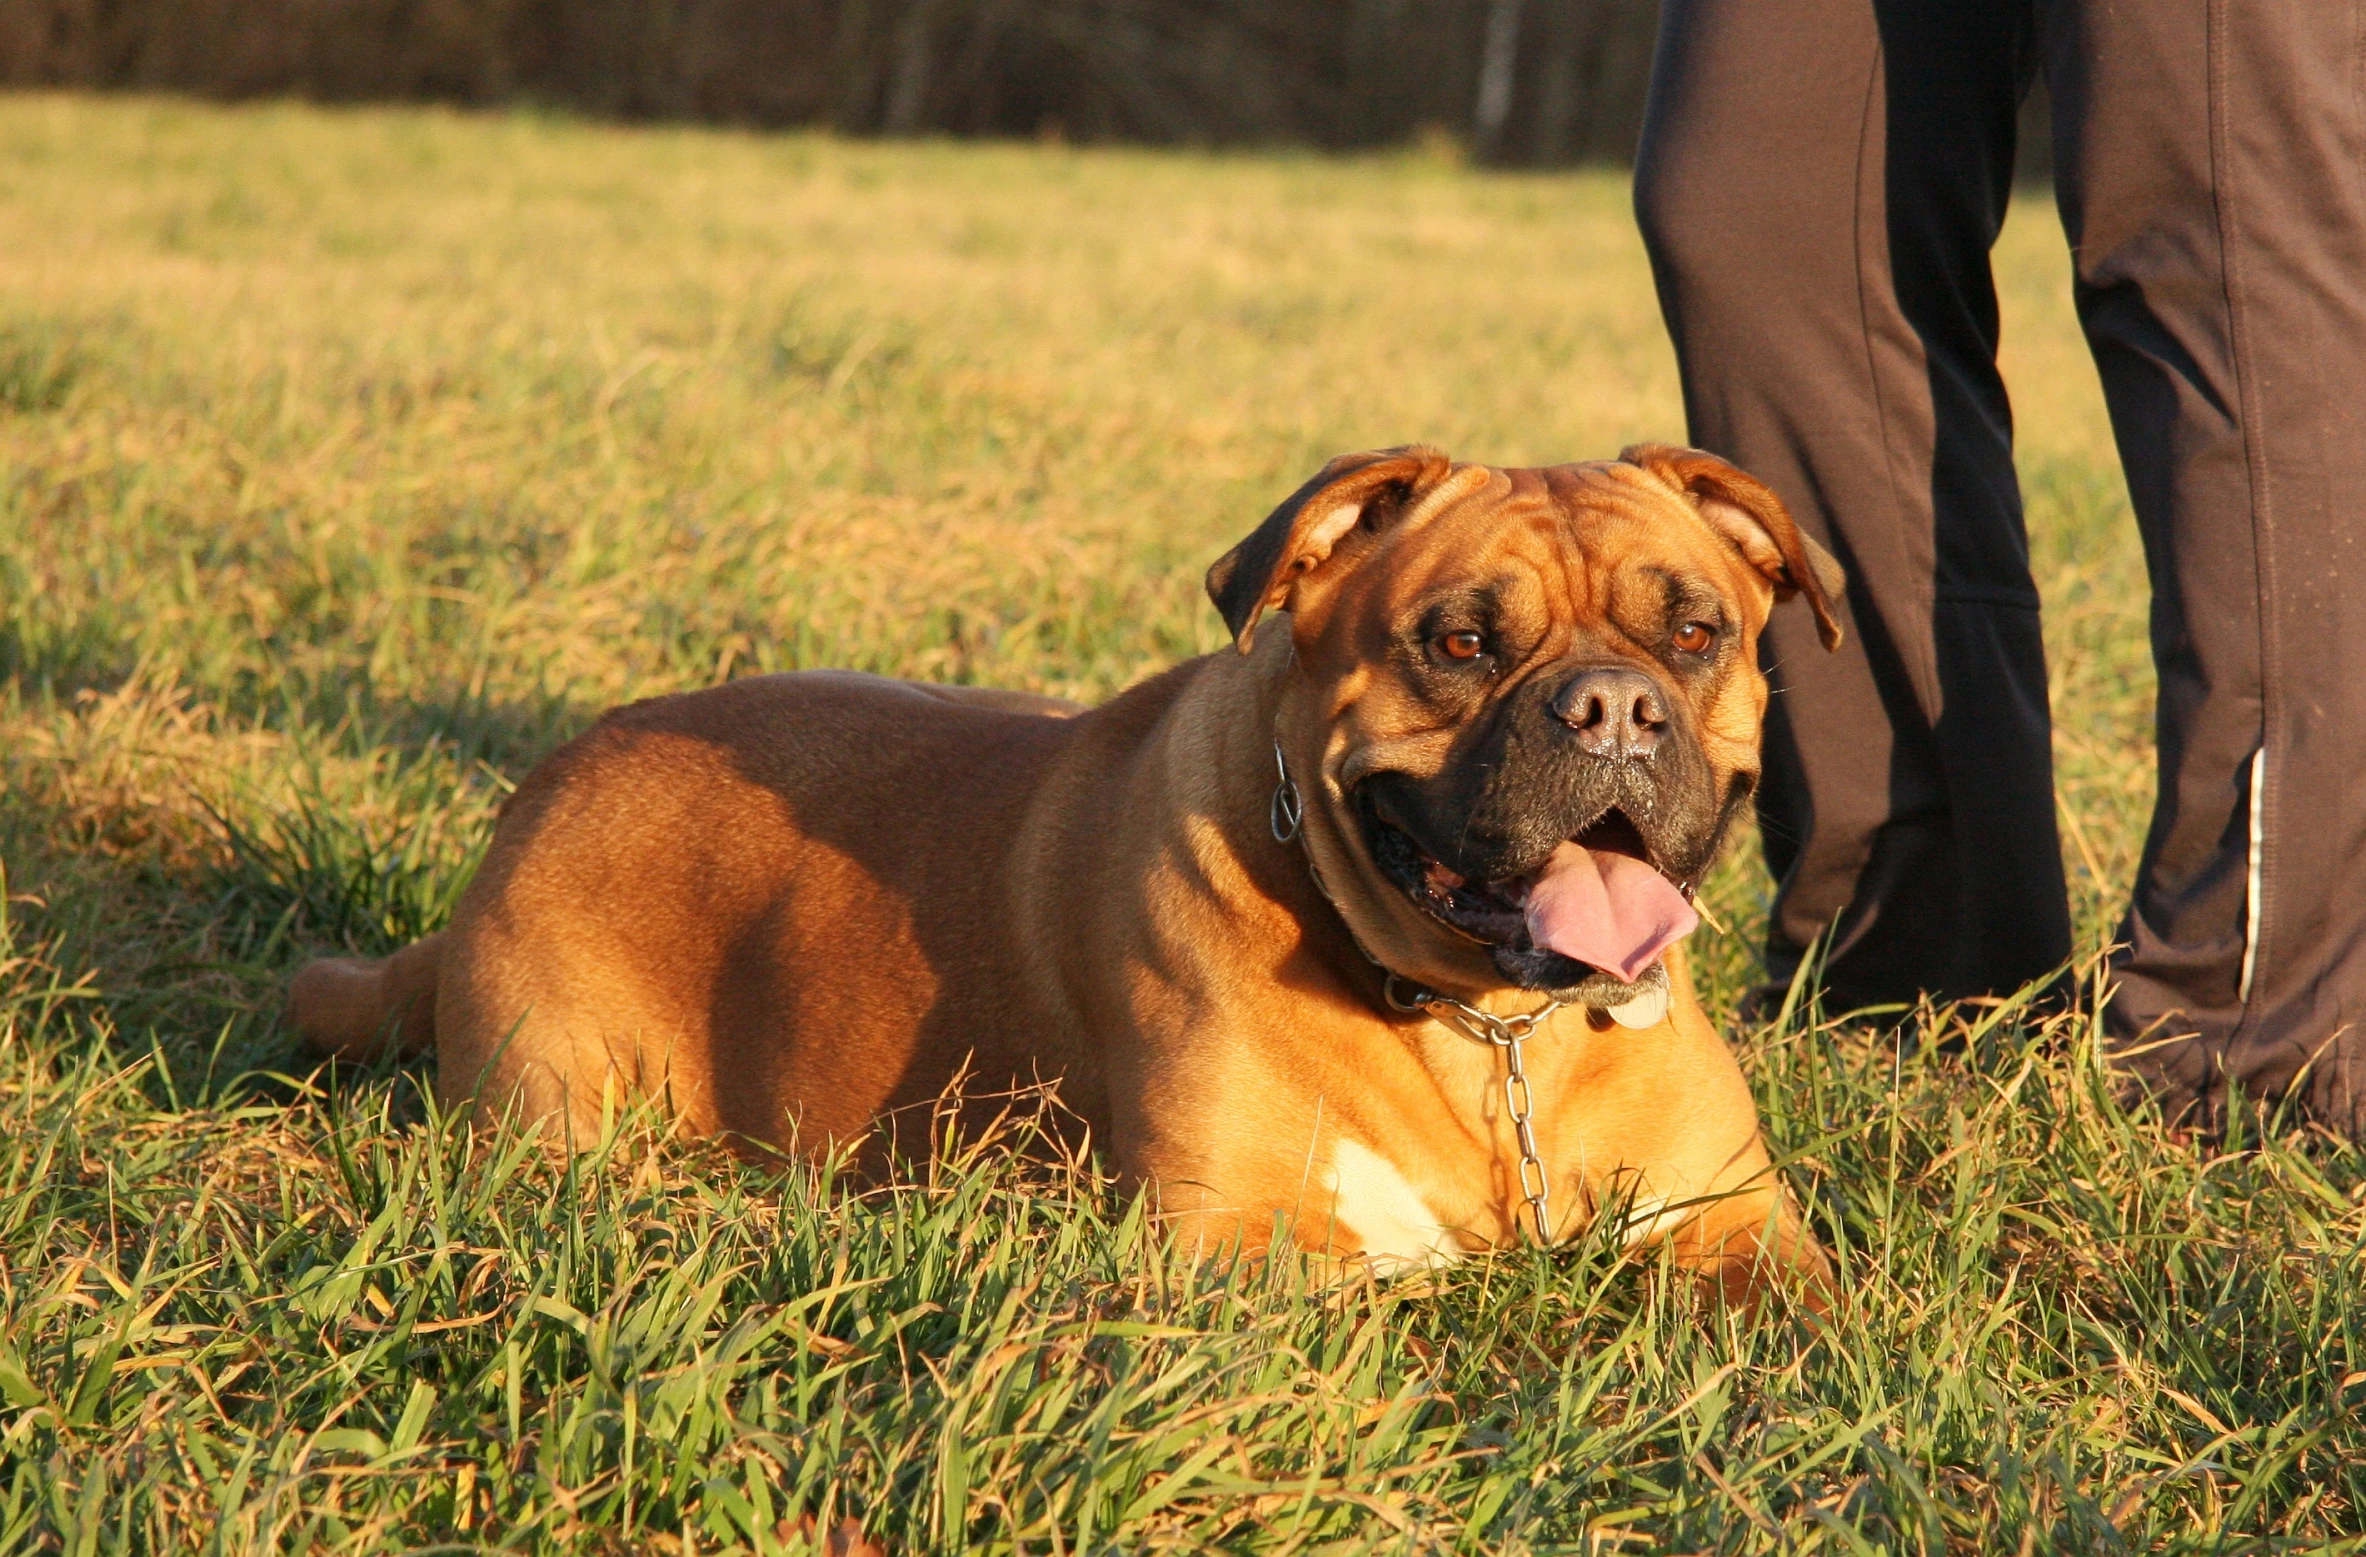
x=1521 y=81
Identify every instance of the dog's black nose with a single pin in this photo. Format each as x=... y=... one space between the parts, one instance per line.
x=1616 y=713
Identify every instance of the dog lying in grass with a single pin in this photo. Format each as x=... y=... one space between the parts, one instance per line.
x=1370 y=927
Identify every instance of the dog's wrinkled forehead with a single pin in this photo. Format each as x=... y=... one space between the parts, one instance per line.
x=1582 y=560
x=1566 y=526
x=1369 y=531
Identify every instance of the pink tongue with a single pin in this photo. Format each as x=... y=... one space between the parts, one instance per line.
x=1608 y=909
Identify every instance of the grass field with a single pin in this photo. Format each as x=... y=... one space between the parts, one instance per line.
x=348 y=461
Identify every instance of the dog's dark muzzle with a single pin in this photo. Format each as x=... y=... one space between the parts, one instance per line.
x=1604 y=758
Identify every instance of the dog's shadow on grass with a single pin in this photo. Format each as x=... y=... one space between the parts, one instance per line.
x=151 y=854
x=369 y=849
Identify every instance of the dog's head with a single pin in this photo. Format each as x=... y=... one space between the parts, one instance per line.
x=1526 y=704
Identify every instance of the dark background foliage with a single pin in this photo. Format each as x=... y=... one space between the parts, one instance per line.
x=1523 y=81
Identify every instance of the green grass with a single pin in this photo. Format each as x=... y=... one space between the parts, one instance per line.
x=350 y=460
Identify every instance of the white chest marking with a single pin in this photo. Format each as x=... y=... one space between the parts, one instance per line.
x=1388 y=1222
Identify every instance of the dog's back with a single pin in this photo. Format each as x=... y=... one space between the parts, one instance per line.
x=624 y=928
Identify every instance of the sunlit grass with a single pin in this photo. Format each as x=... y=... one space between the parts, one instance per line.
x=348 y=461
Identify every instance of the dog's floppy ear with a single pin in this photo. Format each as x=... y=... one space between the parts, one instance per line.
x=1369 y=490
x=1746 y=512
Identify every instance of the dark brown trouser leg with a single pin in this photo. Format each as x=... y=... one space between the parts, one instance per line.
x=1819 y=185
x=2212 y=167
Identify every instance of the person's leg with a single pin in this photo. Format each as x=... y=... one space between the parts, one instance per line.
x=2211 y=166
x=1819 y=185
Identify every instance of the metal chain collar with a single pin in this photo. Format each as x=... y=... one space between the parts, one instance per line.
x=1288 y=820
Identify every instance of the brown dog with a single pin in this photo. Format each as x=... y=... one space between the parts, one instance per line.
x=1278 y=922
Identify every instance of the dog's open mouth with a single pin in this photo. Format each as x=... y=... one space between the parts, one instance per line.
x=1595 y=914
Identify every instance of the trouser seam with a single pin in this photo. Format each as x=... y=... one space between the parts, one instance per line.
x=2225 y=206
x=1876 y=76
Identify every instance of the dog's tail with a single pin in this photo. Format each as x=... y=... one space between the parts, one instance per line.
x=358 y=1007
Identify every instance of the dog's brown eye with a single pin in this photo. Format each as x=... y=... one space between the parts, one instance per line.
x=1461 y=645
x=1694 y=637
